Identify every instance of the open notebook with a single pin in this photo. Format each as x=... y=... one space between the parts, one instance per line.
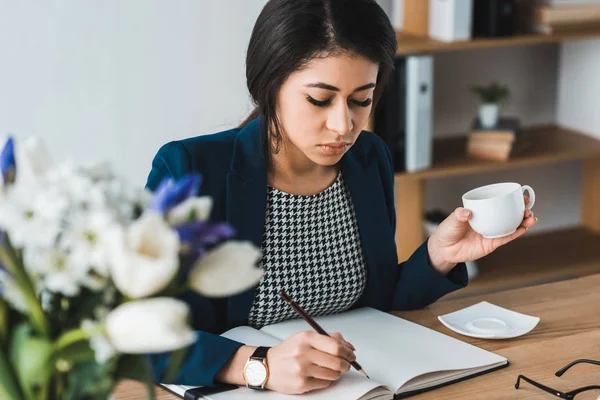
x=401 y=357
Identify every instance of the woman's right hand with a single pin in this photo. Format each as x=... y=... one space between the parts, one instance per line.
x=307 y=361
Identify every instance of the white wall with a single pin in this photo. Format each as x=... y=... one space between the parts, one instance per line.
x=579 y=86
x=113 y=80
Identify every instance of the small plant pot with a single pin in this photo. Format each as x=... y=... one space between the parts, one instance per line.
x=488 y=115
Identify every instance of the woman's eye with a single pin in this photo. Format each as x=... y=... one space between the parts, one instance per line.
x=365 y=103
x=318 y=103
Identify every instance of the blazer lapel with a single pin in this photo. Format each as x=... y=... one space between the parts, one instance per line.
x=362 y=175
x=246 y=204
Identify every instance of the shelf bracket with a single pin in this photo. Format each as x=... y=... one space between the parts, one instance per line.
x=590 y=194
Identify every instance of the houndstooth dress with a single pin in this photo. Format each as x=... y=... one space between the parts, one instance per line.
x=310 y=248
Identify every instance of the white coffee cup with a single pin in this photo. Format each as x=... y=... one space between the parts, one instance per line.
x=497 y=209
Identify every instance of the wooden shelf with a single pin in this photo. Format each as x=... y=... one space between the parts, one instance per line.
x=546 y=145
x=539 y=258
x=408 y=44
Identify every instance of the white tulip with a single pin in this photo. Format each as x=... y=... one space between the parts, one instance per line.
x=144 y=259
x=226 y=270
x=198 y=207
x=31 y=157
x=150 y=326
x=103 y=348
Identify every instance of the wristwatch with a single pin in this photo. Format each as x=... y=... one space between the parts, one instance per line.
x=256 y=370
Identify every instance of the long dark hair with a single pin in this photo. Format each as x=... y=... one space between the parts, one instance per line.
x=289 y=33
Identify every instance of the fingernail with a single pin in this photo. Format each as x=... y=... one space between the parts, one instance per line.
x=464 y=213
x=536 y=219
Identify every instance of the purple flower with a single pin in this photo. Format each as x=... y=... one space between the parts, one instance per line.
x=3 y=242
x=201 y=234
x=197 y=236
x=169 y=193
x=8 y=165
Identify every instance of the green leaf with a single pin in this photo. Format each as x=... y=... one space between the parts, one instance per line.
x=4 y=328
x=31 y=358
x=9 y=387
x=175 y=362
x=138 y=368
x=492 y=93
x=12 y=263
x=78 y=352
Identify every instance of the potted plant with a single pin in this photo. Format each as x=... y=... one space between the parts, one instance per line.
x=490 y=97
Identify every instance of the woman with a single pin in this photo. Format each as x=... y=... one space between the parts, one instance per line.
x=300 y=179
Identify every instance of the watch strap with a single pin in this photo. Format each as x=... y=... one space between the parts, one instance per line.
x=260 y=353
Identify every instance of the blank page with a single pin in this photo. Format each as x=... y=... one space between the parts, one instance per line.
x=392 y=350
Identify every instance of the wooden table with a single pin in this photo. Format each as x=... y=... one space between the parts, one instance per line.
x=569 y=329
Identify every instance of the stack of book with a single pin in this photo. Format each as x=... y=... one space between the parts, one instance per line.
x=557 y=16
x=496 y=143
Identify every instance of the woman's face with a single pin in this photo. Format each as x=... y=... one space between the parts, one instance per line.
x=324 y=107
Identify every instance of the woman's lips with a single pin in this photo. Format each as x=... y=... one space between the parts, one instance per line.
x=334 y=148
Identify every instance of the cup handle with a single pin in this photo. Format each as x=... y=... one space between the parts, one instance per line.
x=531 y=196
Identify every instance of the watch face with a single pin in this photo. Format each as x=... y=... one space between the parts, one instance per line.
x=255 y=373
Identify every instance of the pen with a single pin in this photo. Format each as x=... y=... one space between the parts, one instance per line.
x=315 y=326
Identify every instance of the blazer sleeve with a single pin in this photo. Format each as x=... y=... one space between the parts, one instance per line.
x=418 y=284
x=210 y=352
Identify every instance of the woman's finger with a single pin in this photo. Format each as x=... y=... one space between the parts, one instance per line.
x=339 y=336
x=328 y=361
x=529 y=222
x=332 y=346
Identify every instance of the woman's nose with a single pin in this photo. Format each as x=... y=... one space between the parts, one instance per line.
x=339 y=120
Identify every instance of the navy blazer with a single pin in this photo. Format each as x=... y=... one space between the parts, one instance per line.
x=235 y=176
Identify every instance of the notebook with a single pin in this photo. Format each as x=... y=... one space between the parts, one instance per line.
x=401 y=357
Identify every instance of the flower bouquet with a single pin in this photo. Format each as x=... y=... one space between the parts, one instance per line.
x=91 y=270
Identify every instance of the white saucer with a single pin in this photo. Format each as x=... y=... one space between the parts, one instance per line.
x=488 y=321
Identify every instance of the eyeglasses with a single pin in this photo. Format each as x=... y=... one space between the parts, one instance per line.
x=563 y=395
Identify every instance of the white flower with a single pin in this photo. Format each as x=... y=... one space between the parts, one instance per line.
x=87 y=237
x=12 y=294
x=103 y=349
x=100 y=171
x=31 y=214
x=144 y=259
x=150 y=326
x=80 y=189
x=226 y=270
x=54 y=270
x=192 y=209
x=31 y=158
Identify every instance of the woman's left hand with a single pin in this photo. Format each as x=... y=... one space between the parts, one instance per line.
x=454 y=241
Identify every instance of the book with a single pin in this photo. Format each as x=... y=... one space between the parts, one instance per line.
x=484 y=149
x=401 y=357
x=565 y=14
x=510 y=125
x=557 y=29
x=500 y=142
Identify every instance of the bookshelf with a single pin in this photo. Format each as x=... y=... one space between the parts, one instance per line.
x=543 y=257
x=546 y=145
x=409 y=44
